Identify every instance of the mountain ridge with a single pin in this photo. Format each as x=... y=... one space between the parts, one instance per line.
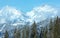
x=14 y=17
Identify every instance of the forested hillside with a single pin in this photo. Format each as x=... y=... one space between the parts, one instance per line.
x=49 y=31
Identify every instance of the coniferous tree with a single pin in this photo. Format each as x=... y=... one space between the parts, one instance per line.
x=27 y=32
x=50 y=29
x=34 y=30
x=45 y=32
x=56 y=28
x=6 y=35
x=16 y=33
x=23 y=34
x=41 y=33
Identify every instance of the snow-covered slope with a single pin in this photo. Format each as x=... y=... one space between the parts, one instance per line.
x=10 y=17
x=41 y=13
x=10 y=14
x=14 y=17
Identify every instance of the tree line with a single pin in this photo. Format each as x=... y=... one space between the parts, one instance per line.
x=49 y=31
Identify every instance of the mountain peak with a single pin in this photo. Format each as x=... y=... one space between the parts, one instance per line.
x=7 y=7
x=8 y=13
x=10 y=10
x=37 y=14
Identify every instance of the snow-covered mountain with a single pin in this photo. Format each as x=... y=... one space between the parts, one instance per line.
x=14 y=17
x=10 y=17
x=9 y=14
x=42 y=12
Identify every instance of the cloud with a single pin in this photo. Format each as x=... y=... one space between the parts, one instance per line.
x=41 y=13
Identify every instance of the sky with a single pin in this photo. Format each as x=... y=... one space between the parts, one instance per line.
x=28 y=5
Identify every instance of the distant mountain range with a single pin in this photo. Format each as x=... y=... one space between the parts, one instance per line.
x=11 y=17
